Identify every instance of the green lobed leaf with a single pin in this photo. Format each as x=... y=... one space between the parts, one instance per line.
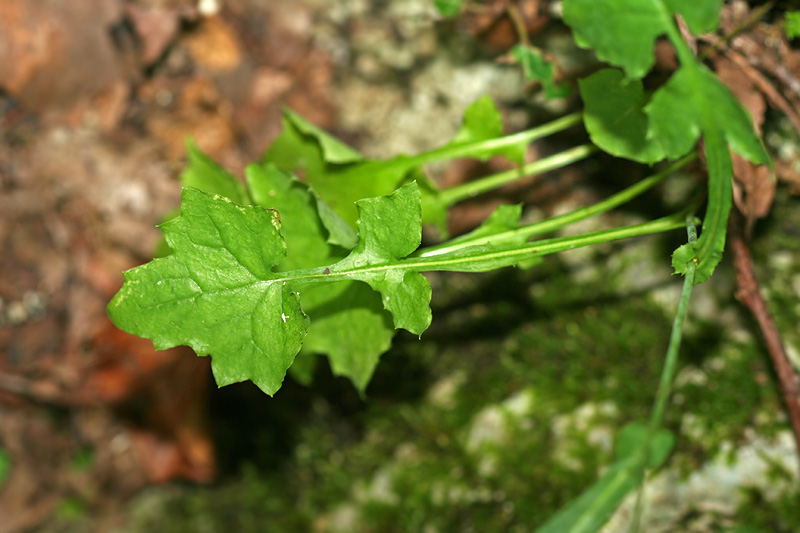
x=695 y=101
x=622 y=32
x=614 y=116
x=315 y=235
x=389 y=229
x=348 y=322
x=339 y=183
x=223 y=291
x=536 y=68
x=216 y=292
x=226 y=292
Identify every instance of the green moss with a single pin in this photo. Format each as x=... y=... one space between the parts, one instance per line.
x=724 y=399
x=759 y=514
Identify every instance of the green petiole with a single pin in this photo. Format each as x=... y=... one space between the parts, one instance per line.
x=478 y=147
x=671 y=361
x=478 y=258
x=470 y=189
x=514 y=254
x=670 y=366
x=554 y=223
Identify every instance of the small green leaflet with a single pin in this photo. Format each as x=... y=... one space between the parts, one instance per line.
x=333 y=150
x=614 y=116
x=621 y=120
x=792 y=24
x=216 y=292
x=483 y=122
x=448 y=8
x=536 y=68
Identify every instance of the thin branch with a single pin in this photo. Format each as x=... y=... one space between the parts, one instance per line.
x=748 y=293
x=518 y=22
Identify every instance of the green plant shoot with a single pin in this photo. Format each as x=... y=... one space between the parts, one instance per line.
x=224 y=291
x=693 y=103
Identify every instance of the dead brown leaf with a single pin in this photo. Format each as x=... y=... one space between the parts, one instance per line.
x=55 y=54
x=754 y=186
x=156 y=26
x=214 y=45
x=496 y=29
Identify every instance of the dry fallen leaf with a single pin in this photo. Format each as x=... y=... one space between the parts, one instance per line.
x=156 y=28
x=754 y=186
x=55 y=54
x=214 y=45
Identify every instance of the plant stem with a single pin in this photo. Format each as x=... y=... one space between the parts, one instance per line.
x=671 y=362
x=749 y=294
x=519 y=24
x=457 y=262
x=708 y=249
x=667 y=373
x=470 y=189
x=476 y=259
x=472 y=148
x=554 y=223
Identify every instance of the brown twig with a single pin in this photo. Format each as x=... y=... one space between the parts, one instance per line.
x=748 y=293
x=765 y=86
x=519 y=23
x=750 y=21
x=761 y=82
